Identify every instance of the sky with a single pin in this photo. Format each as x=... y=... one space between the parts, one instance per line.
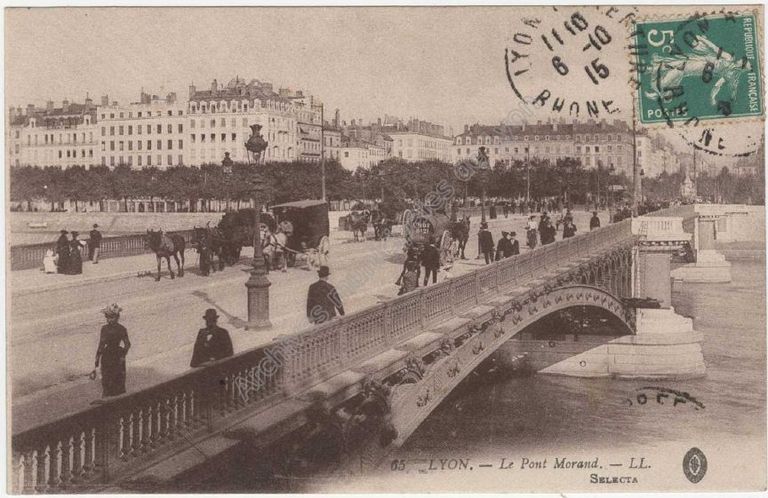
x=441 y=64
x=416 y=62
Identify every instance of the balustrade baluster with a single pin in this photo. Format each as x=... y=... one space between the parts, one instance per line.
x=43 y=470
x=33 y=470
x=67 y=461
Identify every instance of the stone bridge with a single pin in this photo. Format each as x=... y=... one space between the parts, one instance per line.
x=375 y=375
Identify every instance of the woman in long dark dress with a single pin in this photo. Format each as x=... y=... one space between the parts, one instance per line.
x=62 y=250
x=75 y=256
x=111 y=353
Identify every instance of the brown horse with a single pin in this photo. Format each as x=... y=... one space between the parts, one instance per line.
x=165 y=246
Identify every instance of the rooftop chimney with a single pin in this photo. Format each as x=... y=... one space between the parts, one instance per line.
x=214 y=85
x=466 y=128
x=191 y=90
x=105 y=100
x=30 y=109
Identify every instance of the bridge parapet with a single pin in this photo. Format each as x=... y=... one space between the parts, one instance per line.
x=124 y=434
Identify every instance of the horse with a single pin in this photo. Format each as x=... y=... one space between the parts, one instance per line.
x=165 y=246
x=460 y=233
x=359 y=221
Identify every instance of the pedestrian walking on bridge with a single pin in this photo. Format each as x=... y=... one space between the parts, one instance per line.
x=594 y=222
x=113 y=347
x=486 y=242
x=322 y=299
x=94 y=244
x=212 y=343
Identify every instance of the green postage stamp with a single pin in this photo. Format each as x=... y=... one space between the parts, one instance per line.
x=698 y=68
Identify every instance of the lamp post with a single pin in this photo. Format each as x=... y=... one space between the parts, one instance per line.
x=527 y=177
x=322 y=150
x=257 y=284
x=609 y=192
x=483 y=165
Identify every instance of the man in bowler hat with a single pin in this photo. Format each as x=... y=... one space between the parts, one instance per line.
x=213 y=342
x=94 y=244
x=322 y=299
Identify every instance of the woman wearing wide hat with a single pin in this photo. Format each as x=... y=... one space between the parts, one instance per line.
x=111 y=353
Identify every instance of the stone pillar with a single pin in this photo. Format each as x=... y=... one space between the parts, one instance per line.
x=653 y=277
x=710 y=265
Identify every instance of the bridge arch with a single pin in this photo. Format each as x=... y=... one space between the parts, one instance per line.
x=412 y=404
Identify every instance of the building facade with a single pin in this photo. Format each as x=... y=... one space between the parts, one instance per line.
x=63 y=136
x=594 y=144
x=309 y=115
x=148 y=133
x=220 y=119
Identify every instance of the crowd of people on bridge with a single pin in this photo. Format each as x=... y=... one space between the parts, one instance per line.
x=67 y=256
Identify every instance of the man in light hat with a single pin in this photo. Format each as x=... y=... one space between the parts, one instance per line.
x=322 y=299
x=94 y=244
x=213 y=342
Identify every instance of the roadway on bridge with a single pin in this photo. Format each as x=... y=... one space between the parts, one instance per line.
x=54 y=334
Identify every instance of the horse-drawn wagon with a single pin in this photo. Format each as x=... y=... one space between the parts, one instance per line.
x=420 y=229
x=305 y=224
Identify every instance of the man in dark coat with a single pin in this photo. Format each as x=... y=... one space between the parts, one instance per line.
x=94 y=244
x=515 y=244
x=504 y=248
x=486 y=242
x=62 y=249
x=430 y=259
x=213 y=342
x=322 y=299
x=594 y=222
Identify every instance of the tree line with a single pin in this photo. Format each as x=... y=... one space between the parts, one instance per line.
x=395 y=179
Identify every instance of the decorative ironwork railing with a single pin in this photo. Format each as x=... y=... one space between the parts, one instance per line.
x=123 y=434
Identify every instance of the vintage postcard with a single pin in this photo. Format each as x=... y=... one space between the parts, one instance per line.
x=385 y=249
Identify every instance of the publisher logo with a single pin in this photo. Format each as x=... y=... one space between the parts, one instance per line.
x=694 y=465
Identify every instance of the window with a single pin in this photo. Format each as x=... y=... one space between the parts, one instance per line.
x=170 y=112
x=597 y=149
x=578 y=149
x=223 y=122
x=181 y=144
x=139 y=159
x=130 y=160
x=111 y=160
x=120 y=145
x=202 y=137
x=149 y=144
x=138 y=144
x=180 y=160
x=213 y=123
x=149 y=129
x=130 y=129
x=103 y=131
x=245 y=122
x=120 y=130
x=103 y=146
x=159 y=145
x=346 y=153
x=223 y=137
x=130 y=145
x=170 y=160
x=213 y=137
x=149 y=160
x=159 y=160
x=587 y=148
x=191 y=123
x=193 y=137
x=181 y=128
x=170 y=144
x=112 y=145
x=140 y=116
x=159 y=129
x=496 y=150
x=111 y=131
x=234 y=137
x=170 y=127
x=138 y=129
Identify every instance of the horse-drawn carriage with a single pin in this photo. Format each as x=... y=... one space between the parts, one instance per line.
x=380 y=216
x=450 y=237
x=306 y=226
